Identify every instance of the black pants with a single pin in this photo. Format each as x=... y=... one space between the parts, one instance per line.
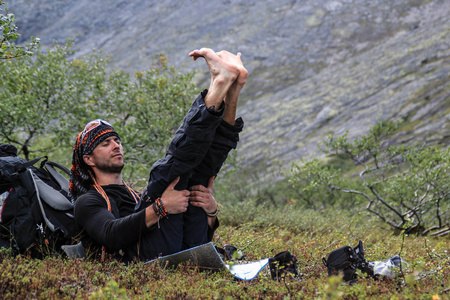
x=197 y=151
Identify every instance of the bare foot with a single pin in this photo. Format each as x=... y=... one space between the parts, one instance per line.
x=218 y=67
x=232 y=96
x=223 y=75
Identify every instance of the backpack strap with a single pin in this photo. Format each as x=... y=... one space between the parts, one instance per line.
x=26 y=165
x=50 y=196
x=61 y=180
x=38 y=198
x=59 y=166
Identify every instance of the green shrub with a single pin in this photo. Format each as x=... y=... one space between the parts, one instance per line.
x=46 y=100
x=8 y=36
x=406 y=186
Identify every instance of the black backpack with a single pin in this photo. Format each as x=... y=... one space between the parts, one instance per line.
x=36 y=209
x=283 y=265
x=346 y=260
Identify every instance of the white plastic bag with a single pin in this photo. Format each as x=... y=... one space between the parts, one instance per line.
x=388 y=268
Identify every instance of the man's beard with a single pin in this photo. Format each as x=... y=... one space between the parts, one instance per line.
x=110 y=169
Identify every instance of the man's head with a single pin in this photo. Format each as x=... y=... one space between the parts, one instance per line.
x=97 y=148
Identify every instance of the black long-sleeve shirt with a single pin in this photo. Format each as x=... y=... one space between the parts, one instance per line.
x=117 y=229
x=125 y=229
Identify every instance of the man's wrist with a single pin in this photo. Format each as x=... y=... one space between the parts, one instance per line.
x=214 y=214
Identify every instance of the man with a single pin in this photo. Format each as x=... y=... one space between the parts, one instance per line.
x=170 y=218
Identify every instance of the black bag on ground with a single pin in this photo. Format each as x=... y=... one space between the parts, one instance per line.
x=283 y=264
x=230 y=252
x=347 y=260
x=36 y=209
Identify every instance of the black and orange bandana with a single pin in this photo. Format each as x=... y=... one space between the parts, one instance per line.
x=93 y=134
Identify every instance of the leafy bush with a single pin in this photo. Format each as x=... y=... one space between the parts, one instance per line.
x=406 y=186
x=46 y=101
x=307 y=182
x=9 y=34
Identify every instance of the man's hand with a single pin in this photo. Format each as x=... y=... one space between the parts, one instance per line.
x=203 y=197
x=175 y=201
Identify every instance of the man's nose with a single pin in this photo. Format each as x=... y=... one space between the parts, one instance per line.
x=116 y=144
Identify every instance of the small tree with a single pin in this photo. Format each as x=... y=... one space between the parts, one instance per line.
x=407 y=187
x=9 y=34
x=46 y=100
x=47 y=96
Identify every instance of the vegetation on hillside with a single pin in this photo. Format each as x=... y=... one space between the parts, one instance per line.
x=405 y=186
x=45 y=99
x=9 y=34
x=305 y=233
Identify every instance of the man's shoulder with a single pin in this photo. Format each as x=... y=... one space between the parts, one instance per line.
x=87 y=204
x=91 y=196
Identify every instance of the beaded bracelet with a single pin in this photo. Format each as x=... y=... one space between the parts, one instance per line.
x=162 y=208
x=159 y=208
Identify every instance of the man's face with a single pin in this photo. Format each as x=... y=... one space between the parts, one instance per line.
x=107 y=157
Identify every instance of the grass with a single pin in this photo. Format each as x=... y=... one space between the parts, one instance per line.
x=310 y=235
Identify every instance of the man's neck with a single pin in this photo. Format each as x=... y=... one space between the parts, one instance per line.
x=108 y=178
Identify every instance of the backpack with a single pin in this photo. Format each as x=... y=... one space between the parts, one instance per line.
x=230 y=252
x=36 y=208
x=282 y=265
x=347 y=260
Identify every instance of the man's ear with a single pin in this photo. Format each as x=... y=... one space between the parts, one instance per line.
x=88 y=160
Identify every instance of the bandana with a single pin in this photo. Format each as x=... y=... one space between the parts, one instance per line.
x=93 y=134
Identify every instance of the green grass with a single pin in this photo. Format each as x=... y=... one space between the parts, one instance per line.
x=310 y=235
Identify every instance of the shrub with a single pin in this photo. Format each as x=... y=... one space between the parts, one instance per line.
x=406 y=186
x=46 y=100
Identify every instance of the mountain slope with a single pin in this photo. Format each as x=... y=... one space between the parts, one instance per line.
x=317 y=67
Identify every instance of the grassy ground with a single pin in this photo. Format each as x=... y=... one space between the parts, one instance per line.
x=310 y=235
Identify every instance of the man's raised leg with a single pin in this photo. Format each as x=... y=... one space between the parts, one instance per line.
x=189 y=145
x=193 y=138
x=198 y=228
x=233 y=92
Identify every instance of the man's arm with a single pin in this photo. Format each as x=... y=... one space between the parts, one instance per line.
x=107 y=229
x=103 y=227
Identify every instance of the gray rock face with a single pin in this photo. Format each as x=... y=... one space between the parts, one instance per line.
x=317 y=67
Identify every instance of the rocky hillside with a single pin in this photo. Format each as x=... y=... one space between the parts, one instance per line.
x=317 y=67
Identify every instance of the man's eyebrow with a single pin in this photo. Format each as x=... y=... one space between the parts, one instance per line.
x=109 y=139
